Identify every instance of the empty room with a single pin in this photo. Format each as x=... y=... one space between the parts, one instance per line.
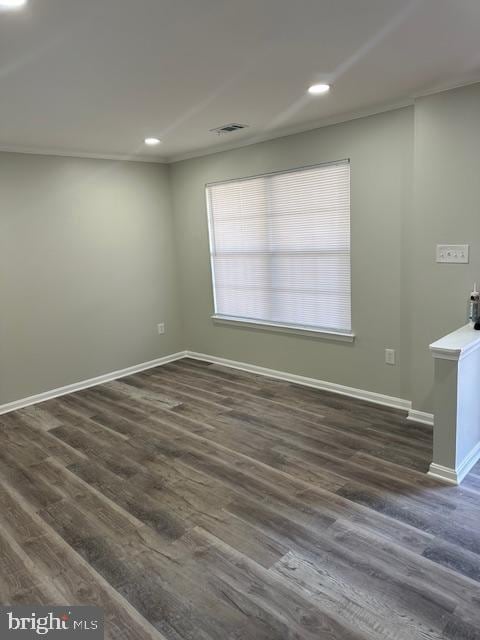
x=240 y=319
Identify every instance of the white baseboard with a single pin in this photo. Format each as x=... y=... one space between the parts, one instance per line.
x=468 y=462
x=91 y=382
x=455 y=476
x=420 y=416
x=352 y=392
x=443 y=473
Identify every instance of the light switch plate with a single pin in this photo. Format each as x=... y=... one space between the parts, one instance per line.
x=452 y=253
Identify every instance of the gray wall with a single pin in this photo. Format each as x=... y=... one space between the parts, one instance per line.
x=446 y=210
x=88 y=264
x=415 y=183
x=381 y=153
x=86 y=270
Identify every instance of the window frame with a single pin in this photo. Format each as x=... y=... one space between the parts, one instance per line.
x=269 y=325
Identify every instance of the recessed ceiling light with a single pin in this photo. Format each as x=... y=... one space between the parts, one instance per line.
x=152 y=141
x=318 y=89
x=12 y=4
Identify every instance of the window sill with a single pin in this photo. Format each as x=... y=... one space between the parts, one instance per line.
x=323 y=334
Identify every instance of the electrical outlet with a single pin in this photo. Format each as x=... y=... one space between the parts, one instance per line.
x=452 y=253
x=390 y=356
x=161 y=328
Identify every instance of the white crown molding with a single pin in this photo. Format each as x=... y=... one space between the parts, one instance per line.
x=281 y=132
x=455 y=476
x=449 y=86
x=284 y=132
x=206 y=151
x=347 y=116
x=44 y=151
x=420 y=416
x=351 y=392
x=91 y=382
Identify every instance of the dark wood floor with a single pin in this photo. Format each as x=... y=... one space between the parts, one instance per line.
x=203 y=503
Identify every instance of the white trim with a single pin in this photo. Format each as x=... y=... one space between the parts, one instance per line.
x=91 y=382
x=468 y=462
x=261 y=136
x=457 y=345
x=283 y=132
x=352 y=392
x=443 y=355
x=348 y=116
x=285 y=328
x=449 y=86
x=265 y=136
x=420 y=416
x=117 y=157
x=443 y=473
x=456 y=476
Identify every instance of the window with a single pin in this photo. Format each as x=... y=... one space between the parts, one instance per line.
x=280 y=248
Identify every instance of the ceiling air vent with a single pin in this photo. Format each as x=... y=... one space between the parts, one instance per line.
x=228 y=128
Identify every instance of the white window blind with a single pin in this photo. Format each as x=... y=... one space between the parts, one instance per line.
x=280 y=247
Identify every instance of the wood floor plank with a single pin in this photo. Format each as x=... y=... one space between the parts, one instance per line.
x=265 y=594
x=68 y=579
x=422 y=517
x=357 y=598
x=199 y=502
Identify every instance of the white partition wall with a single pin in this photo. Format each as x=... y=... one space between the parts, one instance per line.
x=456 y=435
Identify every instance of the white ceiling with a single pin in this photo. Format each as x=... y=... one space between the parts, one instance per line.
x=95 y=77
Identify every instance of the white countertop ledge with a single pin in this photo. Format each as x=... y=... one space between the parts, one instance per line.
x=457 y=345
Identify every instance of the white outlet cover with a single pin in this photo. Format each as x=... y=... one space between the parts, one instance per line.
x=452 y=253
x=161 y=328
x=390 y=356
